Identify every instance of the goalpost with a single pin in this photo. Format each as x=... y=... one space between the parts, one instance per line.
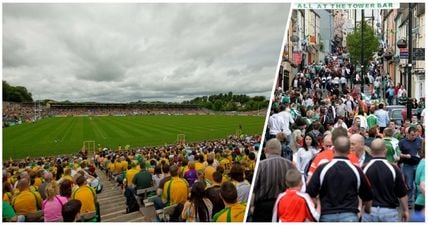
x=89 y=147
x=181 y=139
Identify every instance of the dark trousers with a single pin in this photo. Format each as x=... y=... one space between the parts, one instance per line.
x=263 y=210
x=129 y=193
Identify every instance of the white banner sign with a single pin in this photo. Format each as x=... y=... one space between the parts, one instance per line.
x=380 y=5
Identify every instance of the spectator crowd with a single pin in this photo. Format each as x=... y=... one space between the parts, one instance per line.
x=207 y=181
x=333 y=155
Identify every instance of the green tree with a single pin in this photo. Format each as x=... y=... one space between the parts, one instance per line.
x=231 y=106
x=218 y=104
x=207 y=105
x=259 y=98
x=16 y=94
x=370 y=43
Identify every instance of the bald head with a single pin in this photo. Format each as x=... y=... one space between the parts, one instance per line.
x=378 y=147
x=357 y=143
x=357 y=137
x=342 y=145
x=327 y=141
x=273 y=147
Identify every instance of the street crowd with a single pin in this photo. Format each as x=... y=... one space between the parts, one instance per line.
x=334 y=156
x=208 y=181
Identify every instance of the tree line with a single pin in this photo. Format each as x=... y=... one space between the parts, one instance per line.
x=16 y=93
x=230 y=102
x=217 y=102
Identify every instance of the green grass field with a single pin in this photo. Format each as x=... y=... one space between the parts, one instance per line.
x=54 y=136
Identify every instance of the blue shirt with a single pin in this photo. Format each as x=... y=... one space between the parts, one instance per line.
x=382 y=117
x=391 y=92
x=412 y=148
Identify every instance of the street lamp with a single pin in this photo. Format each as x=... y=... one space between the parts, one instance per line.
x=362 y=43
x=409 y=63
x=409 y=78
x=362 y=79
x=362 y=50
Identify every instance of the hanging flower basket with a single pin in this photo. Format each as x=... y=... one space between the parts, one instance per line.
x=402 y=43
x=388 y=55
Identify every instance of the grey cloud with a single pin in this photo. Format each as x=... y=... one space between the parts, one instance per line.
x=130 y=52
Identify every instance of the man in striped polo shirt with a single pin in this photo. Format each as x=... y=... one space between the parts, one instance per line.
x=338 y=184
x=388 y=187
x=270 y=181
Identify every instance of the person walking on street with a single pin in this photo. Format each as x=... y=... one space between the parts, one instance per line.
x=409 y=148
x=338 y=184
x=388 y=188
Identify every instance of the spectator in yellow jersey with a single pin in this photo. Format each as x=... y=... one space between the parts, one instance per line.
x=209 y=169
x=67 y=175
x=33 y=186
x=117 y=166
x=233 y=211
x=252 y=161
x=123 y=163
x=38 y=180
x=225 y=162
x=111 y=166
x=225 y=176
x=131 y=173
x=175 y=190
x=184 y=167
x=199 y=159
x=26 y=201
x=85 y=194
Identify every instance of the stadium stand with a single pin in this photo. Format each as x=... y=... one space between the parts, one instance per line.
x=17 y=113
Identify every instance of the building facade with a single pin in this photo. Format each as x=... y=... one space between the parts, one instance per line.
x=301 y=46
x=395 y=28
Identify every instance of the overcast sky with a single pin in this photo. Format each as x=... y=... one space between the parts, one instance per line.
x=130 y=52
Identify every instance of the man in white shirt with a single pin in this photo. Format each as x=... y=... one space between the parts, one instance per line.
x=382 y=117
x=288 y=119
x=423 y=116
x=276 y=124
x=308 y=102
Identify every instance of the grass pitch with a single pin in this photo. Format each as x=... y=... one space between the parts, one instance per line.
x=55 y=136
